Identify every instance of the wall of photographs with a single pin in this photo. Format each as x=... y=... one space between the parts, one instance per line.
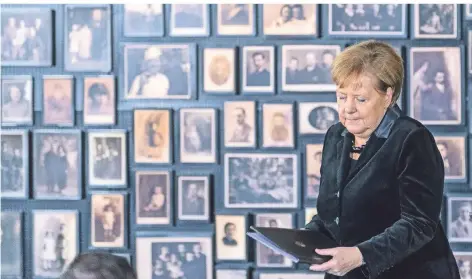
x=161 y=133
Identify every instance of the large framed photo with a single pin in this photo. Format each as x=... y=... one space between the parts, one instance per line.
x=189 y=20
x=278 y=125
x=11 y=238
x=57 y=164
x=197 y=135
x=453 y=151
x=436 y=85
x=459 y=221
x=99 y=100
x=107 y=222
x=58 y=100
x=231 y=239
x=153 y=198
x=226 y=273
x=289 y=275
x=143 y=20
x=258 y=69
x=219 y=70
x=235 y=20
x=290 y=19
x=240 y=127
x=259 y=180
x=436 y=21
x=464 y=260
x=27 y=37
x=316 y=118
x=194 y=198
x=17 y=100
x=15 y=164
x=314 y=154
x=55 y=241
x=87 y=35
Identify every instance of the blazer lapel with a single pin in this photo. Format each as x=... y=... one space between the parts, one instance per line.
x=343 y=150
x=369 y=151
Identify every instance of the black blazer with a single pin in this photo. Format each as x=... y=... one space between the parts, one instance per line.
x=389 y=204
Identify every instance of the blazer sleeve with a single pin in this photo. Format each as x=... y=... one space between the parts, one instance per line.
x=420 y=174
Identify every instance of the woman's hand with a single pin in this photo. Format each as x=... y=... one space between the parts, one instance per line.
x=344 y=260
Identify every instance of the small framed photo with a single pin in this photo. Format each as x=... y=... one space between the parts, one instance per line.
x=258 y=69
x=57 y=164
x=235 y=20
x=314 y=153
x=226 y=273
x=468 y=11
x=453 y=151
x=469 y=49
x=464 y=260
x=55 y=241
x=17 y=100
x=296 y=274
x=189 y=20
x=219 y=70
x=152 y=136
x=459 y=221
x=107 y=158
x=316 y=118
x=58 y=100
x=99 y=100
x=290 y=20
x=194 y=198
x=310 y=212
x=87 y=46
x=15 y=164
x=231 y=237
x=240 y=127
x=12 y=244
x=108 y=228
x=126 y=256
x=436 y=21
x=260 y=180
x=278 y=125
x=436 y=85
x=153 y=198
x=27 y=37
x=198 y=135
x=143 y=20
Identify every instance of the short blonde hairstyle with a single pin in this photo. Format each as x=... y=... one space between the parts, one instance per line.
x=376 y=59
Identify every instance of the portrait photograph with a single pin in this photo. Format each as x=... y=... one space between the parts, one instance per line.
x=152 y=136
x=257 y=180
x=306 y=68
x=240 y=124
x=310 y=212
x=194 y=198
x=290 y=19
x=435 y=85
x=27 y=36
x=189 y=20
x=316 y=118
x=87 y=38
x=459 y=221
x=219 y=67
x=107 y=228
x=464 y=260
x=169 y=257
x=57 y=164
x=197 y=135
x=107 y=158
x=11 y=244
x=258 y=69
x=58 y=100
x=453 y=152
x=313 y=155
x=153 y=198
x=235 y=20
x=154 y=71
x=277 y=125
x=99 y=100
x=14 y=164
x=17 y=100
x=55 y=241
x=230 y=237
x=143 y=20
x=231 y=274
x=291 y=275
x=436 y=21
x=266 y=257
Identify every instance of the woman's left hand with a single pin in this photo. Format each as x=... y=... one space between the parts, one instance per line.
x=344 y=260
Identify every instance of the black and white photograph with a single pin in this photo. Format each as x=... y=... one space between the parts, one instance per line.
x=464 y=260
x=152 y=136
x=107 y=158
x=230 y=237
x=231 y=274
x=17 y=100
x=436 y=21
x=198 y=135
x=435 y=85
x=235 y=20
x=193 y=198
x=107 y=222
x=290 y=19
x=469 y=50
x=55 y=241
x=153 y=198
x=169 y=257
x=99 y=100
x=27 y=37
x=219 y=67
x=256 y=180
x=459 y=221
x=58 y=100
x=314 y=153
x=278 y=125
x=87 y=35
x=453 y=152
x=310 y=212
x=154 y=71
x=307 y=68
x=290 y=275
x=15 y=164
x=240 y=124
x=11 y=244
x=258 y=69
x=189 y=20
x=468 y=11
x=57 y=164
x=316 y=118
x=143 y=20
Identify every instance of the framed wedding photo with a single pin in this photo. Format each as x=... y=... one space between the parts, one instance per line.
x=189 y=20
x=436 y=21
x=17 y=100
x=143 y=20
x=107 y=222
x=194 y=198
x=153 y=198
x=316 y=118
x=235 y=20
x=453 y=149
x=15 y=164
x=290 y=20
x=258 y=70
x=240 y=126
x=99 y=100
x=278 y=126
x=219 y=70
x=12 y=244
x=58 y=100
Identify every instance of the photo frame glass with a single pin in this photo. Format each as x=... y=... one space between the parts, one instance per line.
x=314 y=154
x=99 y=100
x=15 y=166
x=17 y=100
x=153 y=198
x=459 y=219
x=231 y=237
x=152 y=136
x=194 y=198
x=219 y=70
x=463 y=260
x=12 y=245
x=58 y=101
x=453 y=153
x=240 y=124
x=235 y=19
x=143 y=20
x=290 y=19
x=197 y=135
x=436 y=21
x=316 y=118
x=189 y=20
x=108 y=226
x=258 y=69
x=278 y=125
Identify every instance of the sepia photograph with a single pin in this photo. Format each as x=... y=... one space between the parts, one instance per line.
x=15 y=164
x=153 y=198
x=107 y=158
x=58 y=100
x=316 y=118
x=290 y=19
x=11 y=244
x=194 y=198
x=258 y=69
x=231 y=274
x=310 y=212
x=464 y=260
x=459 y=221
x=235 y=20
x=230 y=237
x=155 y=71
x=55 y=241
x=197 y=135
x=290 y=275
x=152 y=136
x=87 y=35
x=219 y=65
x=143 y=20
x=256 y=180
x=17 y=100
x=99 y=100
x=453 y=152
x=169 y=257
x=189 y=20
x=435 y=85
x=240 y=127
x=27 y=37
x=107 y=228
x=57 y=164
x=436 y=21
x=278 y=125
x=314 y=153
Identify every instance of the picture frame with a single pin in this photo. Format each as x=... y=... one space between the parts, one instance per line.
x=233 y=273
x=287 y=274
x=463 y=259
x=453 y=148
x=431 y=21
x=258 y=77
x=189 y=20
x=235 y=20
x=309 y=213
x=126 y=256
x=240 y=124
x=143 y=20
x=14 y=178
x=12 y=228
x=313 y=157
x=58 y=100
x=200 y=186
x=458 y=218
x=469 y=49
x=231 y=238
x=316 y=117
x=17 y=100
x=467 y=11
x=289 y=20
x=278 y=125
x=99 y=104
x=218 y=70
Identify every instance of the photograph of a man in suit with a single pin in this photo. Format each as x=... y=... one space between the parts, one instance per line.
x=464 y=269
x=451 y=168
x=242 y=129
x=311 y=73
x=193 y=203
x=436 y=102
x=462 y=226
x=230 y=230
x=260 y=76
x=293 y=72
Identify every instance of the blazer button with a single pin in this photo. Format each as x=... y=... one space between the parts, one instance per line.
x=336 y=220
